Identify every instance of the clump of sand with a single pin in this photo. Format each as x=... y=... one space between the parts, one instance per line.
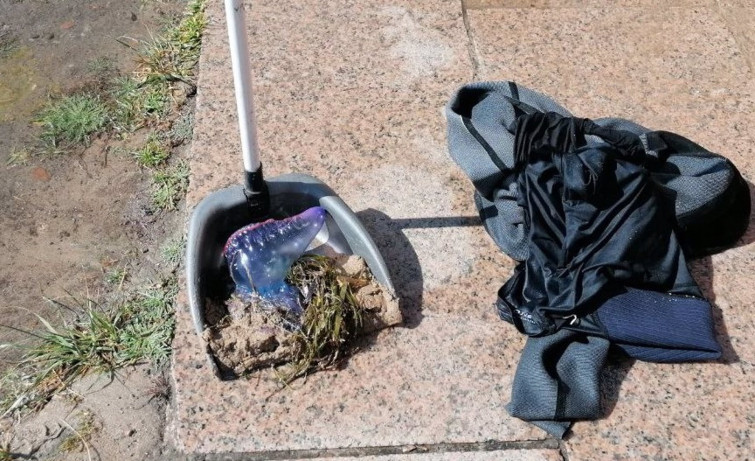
x=253 y=335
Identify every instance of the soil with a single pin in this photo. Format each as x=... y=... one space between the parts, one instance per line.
x=127 y=414
x=249 y=338
x=65 y=221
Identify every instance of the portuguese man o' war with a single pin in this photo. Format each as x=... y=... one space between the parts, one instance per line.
x=259 y=256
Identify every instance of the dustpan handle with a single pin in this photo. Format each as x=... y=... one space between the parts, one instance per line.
x=242 y=82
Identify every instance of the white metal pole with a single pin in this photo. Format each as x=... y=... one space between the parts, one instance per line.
x=242 y=82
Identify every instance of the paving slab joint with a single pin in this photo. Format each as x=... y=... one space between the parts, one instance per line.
x=474 y=56
x=489 y=445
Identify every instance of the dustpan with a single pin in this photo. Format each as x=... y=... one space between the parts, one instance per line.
x=221 y=213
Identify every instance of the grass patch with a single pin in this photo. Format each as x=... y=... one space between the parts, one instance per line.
x=101 y=66
x=126 y=103
x=332 y=318
x=7 y=44
x=148 y=331
x=153 y=153
x=135 y=104
x=173 y=251
x=169 y=186
x=102 y=71
x=173 y=56
x=5 y=453
x=162 y=61
x=84 y=430
x=183 y=129
x=15 y=383
x=101 y=340
x=131 y=102
x=155 y=100
x=72 y=120
x=116 y=276
x=18 y=157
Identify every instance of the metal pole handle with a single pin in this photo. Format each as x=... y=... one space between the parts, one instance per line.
x=242 y=82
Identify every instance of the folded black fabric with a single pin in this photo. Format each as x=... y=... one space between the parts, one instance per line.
x=600 y=215
x=596 y=226
x=604 y=267
x=708 y=199
x=659 y=327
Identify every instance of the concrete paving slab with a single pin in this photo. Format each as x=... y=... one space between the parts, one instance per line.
x=338 y=88
x=679 y=69
x=353 y=94
x=444 y=381
x=741 y=21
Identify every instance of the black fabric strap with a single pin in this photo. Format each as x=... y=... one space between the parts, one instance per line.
x=514 y=90
x=488 y=148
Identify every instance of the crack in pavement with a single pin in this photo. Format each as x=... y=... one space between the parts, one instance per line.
x=489 y=445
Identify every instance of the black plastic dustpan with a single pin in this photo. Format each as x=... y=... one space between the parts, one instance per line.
x=224 y=211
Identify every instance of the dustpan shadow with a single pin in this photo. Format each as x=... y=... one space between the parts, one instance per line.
x=402 y=261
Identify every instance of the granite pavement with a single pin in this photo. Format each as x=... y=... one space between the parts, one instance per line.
x=352 y=92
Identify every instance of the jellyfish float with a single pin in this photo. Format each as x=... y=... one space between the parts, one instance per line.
x=259 y=256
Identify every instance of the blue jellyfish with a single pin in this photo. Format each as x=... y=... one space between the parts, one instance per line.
x=259 y=256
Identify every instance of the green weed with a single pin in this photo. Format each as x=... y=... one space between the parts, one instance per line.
x=172 y=57
x=5 y=453
x=169 y=186
x=156 y=100
x=116 y=276
x=136 y=103
x=149 y=330
x=15 y=383
x=153 y=153
x=7 y=44
x=102 y=65
x=126 y=103
x=70 y=351
x=102 y=70
x=72 y=120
